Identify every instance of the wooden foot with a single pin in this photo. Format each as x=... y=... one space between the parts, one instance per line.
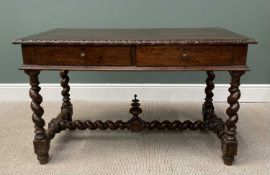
x=229 y=149
x=229 y=141
x=41 y=148
x=41 y=141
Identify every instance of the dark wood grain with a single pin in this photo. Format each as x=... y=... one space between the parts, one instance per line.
x=229 y=141
x=77 y=55
x=134 y=68
x=199 y=55
x=136 y=37
x=202 y=49
x=66 y=108
x=208 y=107
x=135 y=124
x=183 y=48
x=41 y=141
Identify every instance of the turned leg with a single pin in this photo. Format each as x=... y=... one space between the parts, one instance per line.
x=41 y=141
x=66 y=108
x=208 y=107
x=229 y=141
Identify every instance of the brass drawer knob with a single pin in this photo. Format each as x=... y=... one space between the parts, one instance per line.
x=82 y=54
x=185 y=56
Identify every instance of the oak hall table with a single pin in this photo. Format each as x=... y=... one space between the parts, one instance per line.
x=175 y=49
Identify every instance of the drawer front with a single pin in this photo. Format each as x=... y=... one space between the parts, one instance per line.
x=77 y=56
x=198 y=55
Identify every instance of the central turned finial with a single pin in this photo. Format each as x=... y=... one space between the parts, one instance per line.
x=136 y=124
x=135 y=110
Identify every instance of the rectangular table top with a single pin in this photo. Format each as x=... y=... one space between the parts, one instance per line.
x=136 y=37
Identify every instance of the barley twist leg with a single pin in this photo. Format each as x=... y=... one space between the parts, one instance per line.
x=41 y=141
x=229 y=141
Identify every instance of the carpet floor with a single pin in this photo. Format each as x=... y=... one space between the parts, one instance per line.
x=123 y=152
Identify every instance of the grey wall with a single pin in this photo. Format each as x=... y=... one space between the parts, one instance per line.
x=20 y=18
